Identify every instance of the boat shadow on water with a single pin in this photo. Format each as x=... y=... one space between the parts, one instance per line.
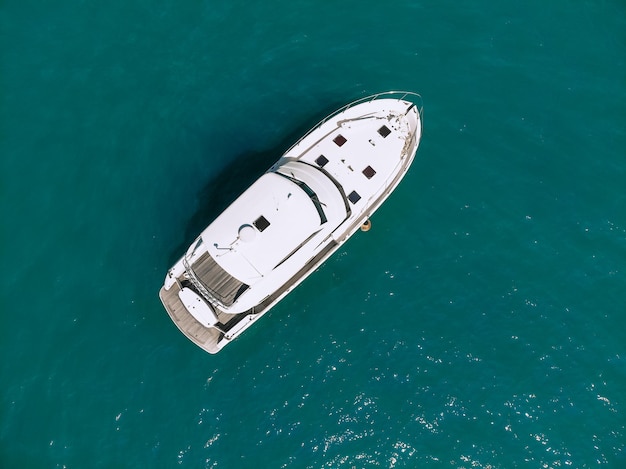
x=232 y=180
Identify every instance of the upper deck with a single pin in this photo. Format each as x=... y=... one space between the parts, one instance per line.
x=247 y=250
x=261 y=227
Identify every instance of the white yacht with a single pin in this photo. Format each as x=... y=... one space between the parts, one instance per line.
x=288 y=222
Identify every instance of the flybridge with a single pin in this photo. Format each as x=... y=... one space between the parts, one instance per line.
x=292 y=218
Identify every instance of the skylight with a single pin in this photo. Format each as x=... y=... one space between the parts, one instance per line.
x=384 y=131
x=340 y=140
x=369 y=172
x=261 y=223
x=354 y=197
x=321 y=161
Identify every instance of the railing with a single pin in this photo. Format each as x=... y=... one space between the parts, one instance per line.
x=399 y=95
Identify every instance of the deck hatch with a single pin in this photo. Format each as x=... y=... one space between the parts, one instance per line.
x=384 y=131
x=354 y=197
x=261 y=223
x=340 y=140
x=321 y=161
x=369 y=172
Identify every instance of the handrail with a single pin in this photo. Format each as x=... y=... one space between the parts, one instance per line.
x=373 y=97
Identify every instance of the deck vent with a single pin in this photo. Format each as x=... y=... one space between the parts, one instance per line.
x=354 y=197
x=340 y=140
x=369 y=172
x=384 y=131
x=261 y=223
x=321 y=161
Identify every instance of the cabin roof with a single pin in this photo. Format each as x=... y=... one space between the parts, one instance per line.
x=261 y=228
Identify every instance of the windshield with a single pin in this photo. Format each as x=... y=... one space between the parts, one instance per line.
x=312 y=195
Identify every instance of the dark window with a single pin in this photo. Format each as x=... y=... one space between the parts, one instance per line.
x=261 y=223
x=340 y=140
x=384 y=131
x=321 y=161
x=354 y=197
x=369 y=172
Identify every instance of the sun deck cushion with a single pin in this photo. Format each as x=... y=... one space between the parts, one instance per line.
x=223 y=286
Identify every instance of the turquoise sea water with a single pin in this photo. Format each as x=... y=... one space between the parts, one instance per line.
x=480 y=323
